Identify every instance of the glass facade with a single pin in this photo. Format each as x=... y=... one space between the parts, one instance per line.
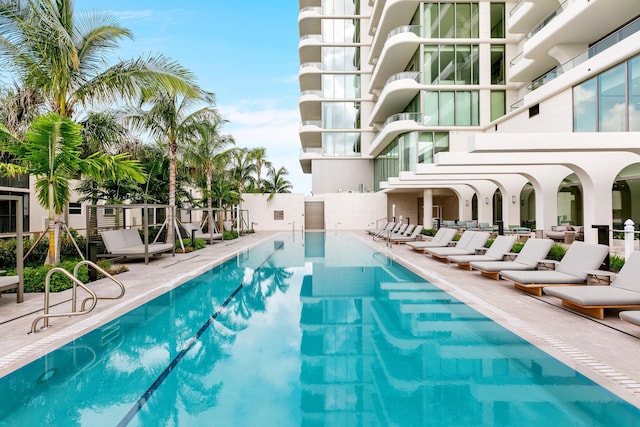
x=386 y=164
x=450 y=64
x=497 y=21
x=341 y=86
x=609 y=102
x=340 y=115
x=340 y=58
x=450 y=20
x=339 y=31
x=451 y=108
x=341 y=144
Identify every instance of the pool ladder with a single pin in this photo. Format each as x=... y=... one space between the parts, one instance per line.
x=76 y=282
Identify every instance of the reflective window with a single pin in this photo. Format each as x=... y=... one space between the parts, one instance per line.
x=498 y=104
x=341 y=144
x=386 y=164
x=450 y=108
x=339 y=115
x=611 y=100
x=341 y=86
x=634 y=94
x=450 y=20
x=431 y=143
x=340 y=58
x=340 y=7
x=497 y=20
x=338 y=31
x=497 y=65
x=584 y=107
x=450 y=64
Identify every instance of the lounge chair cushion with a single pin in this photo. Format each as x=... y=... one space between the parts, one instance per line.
x=595 y=295
x=631 y=316
x=128 y=242
x=581 y=257
x=535 y=276
x=9 y=282
x=532 y=251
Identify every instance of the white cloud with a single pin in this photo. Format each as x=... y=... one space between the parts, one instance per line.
x=261 y=123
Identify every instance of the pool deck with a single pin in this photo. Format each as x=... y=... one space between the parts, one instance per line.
x=604 y=350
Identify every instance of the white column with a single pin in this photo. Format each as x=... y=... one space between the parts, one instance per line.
x=427 y=208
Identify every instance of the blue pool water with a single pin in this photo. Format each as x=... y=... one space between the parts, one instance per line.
x=314 y=330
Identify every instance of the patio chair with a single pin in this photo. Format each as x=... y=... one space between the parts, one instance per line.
x=443 y=237
x=408 y=238
x=631 y=317
x=572 y=270
x=624 y=292
x=8 y=283
x=127 y=243
x=500 y=246
x=190 y=227
x=533 y=251
x=467 y=245
x=387 y=227
x=406 y=232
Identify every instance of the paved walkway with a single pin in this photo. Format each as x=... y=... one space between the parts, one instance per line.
x=606 y=351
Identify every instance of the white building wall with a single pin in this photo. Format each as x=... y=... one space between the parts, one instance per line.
x=261 y=211
x=341 y=175
x=354 y=211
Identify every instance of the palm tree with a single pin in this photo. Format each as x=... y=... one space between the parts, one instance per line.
x=259 y=156
x=52 y=153
x=277 y=183
x=62 y=56
x=203 y=154
x=172 y=119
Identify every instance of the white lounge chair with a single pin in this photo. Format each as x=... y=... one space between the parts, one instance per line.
x=533 y=251
x=631 y=316
x=500 y=246
x=126 y=243
x=8 y=283
x=624 y=292
x=190 y=227
x=467 y=245
x=408 y=238
x=443 y=237
x=572 y=270
x=387 y=226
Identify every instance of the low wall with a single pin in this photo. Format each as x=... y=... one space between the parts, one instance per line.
x=283 y=212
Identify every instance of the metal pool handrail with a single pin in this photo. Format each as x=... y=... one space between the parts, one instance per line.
x=76 y=282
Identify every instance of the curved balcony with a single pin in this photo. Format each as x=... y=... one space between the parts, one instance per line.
x=310 y=48
x=398 y=91
x=310 y=79
x=527 y=13
x=395 y=125
x=397 y=52
x=309 y=20
x=310 y=104
x=306 y=156
x=311 y=134
x=392 y=14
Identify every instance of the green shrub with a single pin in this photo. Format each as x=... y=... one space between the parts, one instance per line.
x=615 y=262
x=229 y=235
x=557 y=252
x=489 y=243
x=517 y=247
x=200 y=243
x=429 y=231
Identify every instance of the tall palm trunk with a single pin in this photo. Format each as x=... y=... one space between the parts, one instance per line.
x=173 y=148
x=52 y=255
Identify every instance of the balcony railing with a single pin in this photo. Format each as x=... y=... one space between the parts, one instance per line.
x=412 y=75
x=312 y=123
x=516 y=7
x=311 y=9
x=604 y=44
x=516 y=59
x=550 y=17
x=317 y=65
x=415 y=29
x=416 y=117
x=316 y=37
x=311 y=92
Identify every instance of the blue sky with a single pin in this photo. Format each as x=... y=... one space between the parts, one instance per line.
x=246 y=52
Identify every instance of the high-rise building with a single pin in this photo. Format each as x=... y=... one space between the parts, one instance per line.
x=522 y=113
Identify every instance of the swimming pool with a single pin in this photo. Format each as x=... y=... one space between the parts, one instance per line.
x=320 y=330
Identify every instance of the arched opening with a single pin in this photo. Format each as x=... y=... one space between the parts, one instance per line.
x=570 y=204
x=625 y=197
x=528 y=206
x=497 y=206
